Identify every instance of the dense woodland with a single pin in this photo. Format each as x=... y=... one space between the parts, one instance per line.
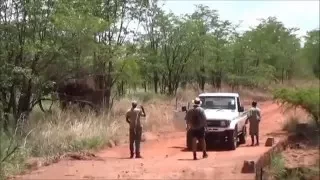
x=135 y=44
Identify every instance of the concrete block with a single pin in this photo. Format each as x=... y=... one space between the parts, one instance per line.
x=248 y=167
x=270 y=142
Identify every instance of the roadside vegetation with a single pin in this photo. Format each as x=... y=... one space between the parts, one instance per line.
x=307 y=99
x=163 y=57
x=278 y=170
x=300 y=160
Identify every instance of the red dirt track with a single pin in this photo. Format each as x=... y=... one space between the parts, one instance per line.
x=165 y=158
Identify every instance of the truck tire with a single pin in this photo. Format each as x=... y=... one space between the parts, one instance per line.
x=233 y=139
x=242 y=137
x=189 y=141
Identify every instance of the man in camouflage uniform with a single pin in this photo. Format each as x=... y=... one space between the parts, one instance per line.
x=196 y=124
x=133 y=118
x=254 y=117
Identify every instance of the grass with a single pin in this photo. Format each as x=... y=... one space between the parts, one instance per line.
x=54 y=134
x=278 y=171
x=63 y=132
x=15 y=163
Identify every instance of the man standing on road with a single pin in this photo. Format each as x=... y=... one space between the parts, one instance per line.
x=196 y=123
x=254 y=117
x=133 y=118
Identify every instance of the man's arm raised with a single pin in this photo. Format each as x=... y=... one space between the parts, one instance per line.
x=143 y=113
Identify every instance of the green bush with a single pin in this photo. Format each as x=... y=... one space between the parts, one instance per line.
x=277 y=166
x=305 y=98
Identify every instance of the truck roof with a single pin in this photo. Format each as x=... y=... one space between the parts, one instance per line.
x=220 y=94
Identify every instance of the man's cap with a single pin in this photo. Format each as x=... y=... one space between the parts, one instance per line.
x=134 y=102
x=196 y=101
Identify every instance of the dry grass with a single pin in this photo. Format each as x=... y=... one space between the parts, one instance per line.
x=62 y=132
x=159 y=112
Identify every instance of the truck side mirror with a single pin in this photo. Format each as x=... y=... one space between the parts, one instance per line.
x=184 y=108
x=241 y=109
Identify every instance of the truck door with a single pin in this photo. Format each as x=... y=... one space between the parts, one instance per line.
x=241 y=116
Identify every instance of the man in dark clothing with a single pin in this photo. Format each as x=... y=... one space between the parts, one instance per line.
x=135 y=131
x=196 y=124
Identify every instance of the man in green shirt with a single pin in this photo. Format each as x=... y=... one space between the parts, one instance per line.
x=196 y=124
x=135 y=131
x=254 y=117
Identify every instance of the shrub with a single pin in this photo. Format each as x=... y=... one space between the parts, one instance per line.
x=291 y=124
x=307 y=99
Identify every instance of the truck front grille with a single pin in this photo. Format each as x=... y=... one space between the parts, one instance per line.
x=213 y=123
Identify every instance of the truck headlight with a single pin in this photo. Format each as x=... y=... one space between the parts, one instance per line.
x=224 y=123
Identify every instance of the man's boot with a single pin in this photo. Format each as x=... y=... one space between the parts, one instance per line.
x=205 y=155
x=131 y=155
x=257 y=139
x=138 y=155
x=252 y=140
x=195 y=156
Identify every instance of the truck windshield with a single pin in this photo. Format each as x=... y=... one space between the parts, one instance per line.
x=218 y=102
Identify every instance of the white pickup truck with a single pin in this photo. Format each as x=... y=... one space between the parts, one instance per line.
x=225 y=119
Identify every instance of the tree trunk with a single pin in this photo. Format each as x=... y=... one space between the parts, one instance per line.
x=122 y=88
x=170 y=84
x=24 y=100
x=282 y=75
x=202 y=78
x=155 y=82
x=109 y=84
x=219 y=79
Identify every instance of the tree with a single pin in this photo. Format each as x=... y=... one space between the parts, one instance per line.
x=311 y=51
x=45 y=41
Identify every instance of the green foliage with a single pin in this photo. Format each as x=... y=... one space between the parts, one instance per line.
x=277 y=166
x=307 y=98
x=311 y=51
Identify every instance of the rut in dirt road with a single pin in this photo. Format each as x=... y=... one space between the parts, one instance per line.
x=166 y=158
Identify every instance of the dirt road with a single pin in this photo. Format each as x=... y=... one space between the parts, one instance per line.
x=165 y=158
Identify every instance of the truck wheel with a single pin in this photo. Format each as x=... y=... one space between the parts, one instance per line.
x=242 y=137
x=233 y=139
x=189 y=141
